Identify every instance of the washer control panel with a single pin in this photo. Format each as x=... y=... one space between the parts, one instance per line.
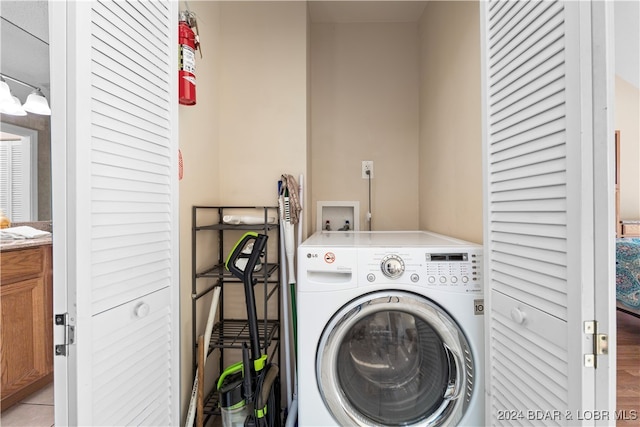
x=452 y=268
x=459 y=269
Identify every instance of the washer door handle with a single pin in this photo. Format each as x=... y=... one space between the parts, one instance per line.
x=453 y=385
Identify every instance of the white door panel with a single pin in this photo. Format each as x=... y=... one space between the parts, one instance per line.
x=547 y=204
x=114 y=133
x=130 y=346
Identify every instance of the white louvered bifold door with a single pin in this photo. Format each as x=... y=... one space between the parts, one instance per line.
x=118 y=230
x=547 y=245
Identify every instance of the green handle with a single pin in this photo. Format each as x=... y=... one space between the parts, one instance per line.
x=258 y=365
x=236 y=367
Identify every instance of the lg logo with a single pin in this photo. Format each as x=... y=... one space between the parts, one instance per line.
x=329 y=257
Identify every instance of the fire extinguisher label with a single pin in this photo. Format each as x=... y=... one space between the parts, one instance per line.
x=187 y=59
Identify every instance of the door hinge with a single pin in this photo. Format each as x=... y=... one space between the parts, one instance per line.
x=68 y=329
x=600 y=344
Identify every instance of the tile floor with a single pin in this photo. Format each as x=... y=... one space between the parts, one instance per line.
x=34 y=411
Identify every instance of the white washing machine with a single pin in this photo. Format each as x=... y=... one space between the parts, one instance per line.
x=390 y=330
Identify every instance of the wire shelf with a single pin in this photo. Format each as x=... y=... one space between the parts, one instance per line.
x=231 y=333
x=245 y=227
x=208 y=273
x=218 y=271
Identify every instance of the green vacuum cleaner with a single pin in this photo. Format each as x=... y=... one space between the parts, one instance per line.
x=249 y=390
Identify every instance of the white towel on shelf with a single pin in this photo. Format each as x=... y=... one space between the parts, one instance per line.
x=22 y=232
x=247 y=220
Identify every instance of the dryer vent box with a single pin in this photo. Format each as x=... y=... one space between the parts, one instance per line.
x=337 y=214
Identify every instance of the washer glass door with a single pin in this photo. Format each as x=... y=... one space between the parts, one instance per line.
x=392 y=358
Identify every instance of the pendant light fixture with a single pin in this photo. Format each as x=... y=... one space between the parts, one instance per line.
x=5 y=92
x=13 y=107
x=36 y=102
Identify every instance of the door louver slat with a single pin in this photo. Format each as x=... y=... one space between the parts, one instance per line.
x=511 y=15
x=514 y=366
x=133 y=85
x=545 y=156
x=550 y=129
x=549 y=140
x=498 y=15
x=523 y=346
x=524 y=39
x=540 y=242
x=520 y=76
x=542 y=97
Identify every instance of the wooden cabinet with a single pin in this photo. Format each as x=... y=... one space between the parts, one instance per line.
x=26 y=322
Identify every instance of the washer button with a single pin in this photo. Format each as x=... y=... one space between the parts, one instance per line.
x=454 y=279
x=415 y=278
x=432 y=279
x=443 y=279
x=371 y=277
x=465 y=279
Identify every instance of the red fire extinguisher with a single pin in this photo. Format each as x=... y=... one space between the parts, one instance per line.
x=188 y=43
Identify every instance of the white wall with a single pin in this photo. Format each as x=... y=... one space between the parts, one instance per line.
x=450 y=191
x=627 y=121
x=626 y=15
x=364 y=106
x=262 y=93
x=407 y=96
x=200 y=147
x=627 y=103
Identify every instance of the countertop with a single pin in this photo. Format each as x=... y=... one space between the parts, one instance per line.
x=12 y=245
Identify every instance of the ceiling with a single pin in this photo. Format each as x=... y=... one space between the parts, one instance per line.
x=24 y=45
x=627 y=40
x=24 y=34
x=365 y=11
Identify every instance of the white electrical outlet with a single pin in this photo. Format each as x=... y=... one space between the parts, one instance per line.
x=367 y=166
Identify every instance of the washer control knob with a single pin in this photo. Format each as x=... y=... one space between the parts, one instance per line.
x=371 y=277
x=392 y=266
